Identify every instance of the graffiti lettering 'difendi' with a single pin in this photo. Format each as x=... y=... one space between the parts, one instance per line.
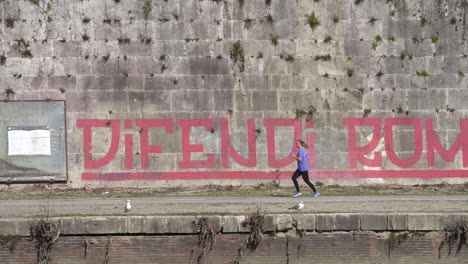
x=368 y=155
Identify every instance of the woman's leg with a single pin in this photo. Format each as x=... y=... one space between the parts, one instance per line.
x=305 y=176
x=296 y=174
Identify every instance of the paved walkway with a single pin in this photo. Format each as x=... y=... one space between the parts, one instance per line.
x=233 y=205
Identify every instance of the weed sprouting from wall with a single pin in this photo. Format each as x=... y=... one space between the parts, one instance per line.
x=10 y=241
x=422 y=74
x=123 y=40
x=274 y=40
x=376 y=42
x=423 y=22
x=206 y=239
x=44 y=232
x=461 y=74
x=395 y=239
x=255 y=222
x=9 y=92
x=9 y=22
x=23 y=47
x=366 y=112
x=237 y=55
x=147 y=7
x=456 y=235
x=163 y=67
x=307 y=113
x=313 y=21
x=322 y=57
x=335 y=18
x=248 y=23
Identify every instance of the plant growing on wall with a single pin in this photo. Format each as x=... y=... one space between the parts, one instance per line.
x=10 y=241
x=395 y=239
x=313 y=21
x=422 y=74
x=322 y=57
x=23 y=48
x=248 y=23
x=237 y=55
x=308 y=113
x=44 y=232
x=416 y=40
x=456 y=235
x=147 y=7
x=274 y=39
x=123 y=40
x=376 y=42
x=206 y=239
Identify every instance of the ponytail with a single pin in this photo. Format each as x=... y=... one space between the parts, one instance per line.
x=303 y=144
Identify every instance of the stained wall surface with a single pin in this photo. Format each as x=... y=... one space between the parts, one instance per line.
x=218 y=91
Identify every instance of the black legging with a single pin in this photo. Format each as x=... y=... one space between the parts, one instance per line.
x=305 y=176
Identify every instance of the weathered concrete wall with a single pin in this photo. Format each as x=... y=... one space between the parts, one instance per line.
x=219 y=90
x=336 y=247
x=297 y=238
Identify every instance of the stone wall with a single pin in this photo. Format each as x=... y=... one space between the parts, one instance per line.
x=286 y=238
x=212 y=90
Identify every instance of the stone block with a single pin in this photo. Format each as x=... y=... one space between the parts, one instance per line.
x=180 y=224
x=452 y=219
x=154 y=224
x=135 y=224
x=346 y=222
x=265 y=100
x=208 y=66
x=373 y=222
x=305 y=222
x=284 y=222
x=325 y=222
x=269 y=224
x=192 y=101
x=397 y=222
x=106 y=225
x=73 y=225
x=232 y=224
x=425 y=222
x=223 y=100
x=15 y=227
x=150 y=101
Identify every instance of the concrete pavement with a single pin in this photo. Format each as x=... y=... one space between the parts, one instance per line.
x=233 y=205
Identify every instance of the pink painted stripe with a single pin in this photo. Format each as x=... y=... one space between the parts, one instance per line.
x=262 y=175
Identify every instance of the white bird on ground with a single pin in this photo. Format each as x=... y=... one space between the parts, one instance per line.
x=298 y=206
x=128 y=206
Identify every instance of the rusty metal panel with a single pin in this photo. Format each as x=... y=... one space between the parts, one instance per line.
x=33 y=141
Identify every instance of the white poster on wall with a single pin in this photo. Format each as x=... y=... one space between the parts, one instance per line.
x=29 y=142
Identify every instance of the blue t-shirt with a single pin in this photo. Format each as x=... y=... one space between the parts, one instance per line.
x=302 y=164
